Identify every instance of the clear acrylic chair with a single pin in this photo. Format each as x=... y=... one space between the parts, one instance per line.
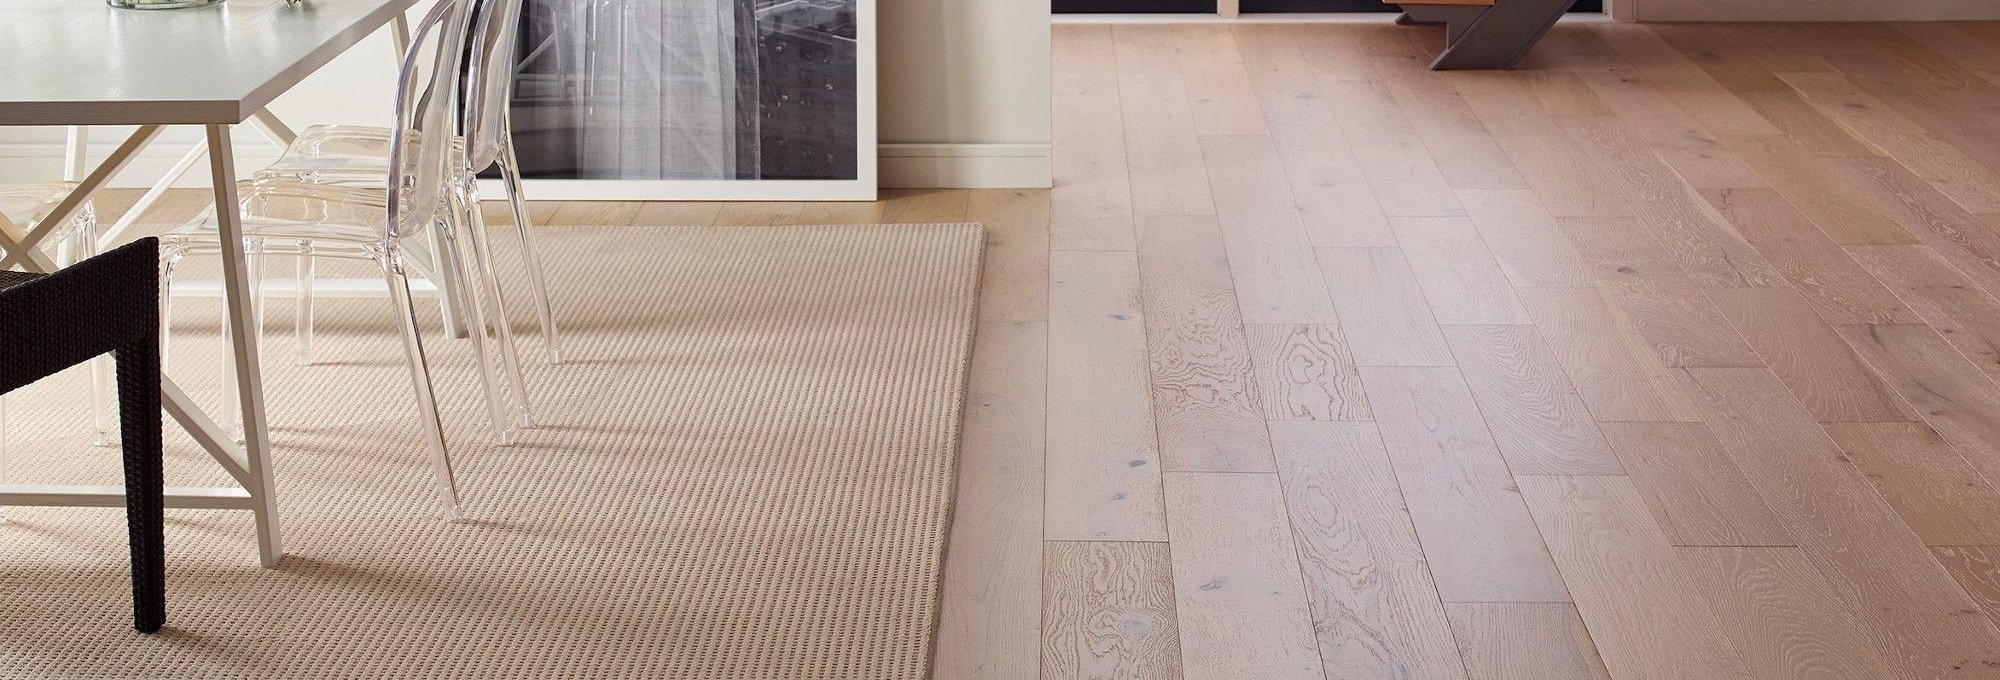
x=372 y=224
x=25 y=205
x=350 y=154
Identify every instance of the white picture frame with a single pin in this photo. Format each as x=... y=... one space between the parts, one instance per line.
x=863 y=187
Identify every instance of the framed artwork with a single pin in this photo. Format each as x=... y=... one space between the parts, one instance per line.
x=696 y=99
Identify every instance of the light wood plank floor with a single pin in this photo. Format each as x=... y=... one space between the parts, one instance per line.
x=1669 y=355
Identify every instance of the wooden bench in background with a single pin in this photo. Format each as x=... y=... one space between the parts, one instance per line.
x=1485 y=34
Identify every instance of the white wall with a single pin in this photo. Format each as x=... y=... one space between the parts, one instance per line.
x=964 y=101
x=1805 y=10
x=965 y=92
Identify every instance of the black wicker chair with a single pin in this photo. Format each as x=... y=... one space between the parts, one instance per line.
x=108 y=303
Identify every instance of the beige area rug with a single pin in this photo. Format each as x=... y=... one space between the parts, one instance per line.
x=745 y=472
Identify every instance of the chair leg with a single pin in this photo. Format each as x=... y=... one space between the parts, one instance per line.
x=138 y=368
x=232 y=408
x=103 y=405
x=302 y=327
x=524 y=231
x=3 y=452
x=420 y=379
x=487 y=287
x=452 y=258
x=169 y=259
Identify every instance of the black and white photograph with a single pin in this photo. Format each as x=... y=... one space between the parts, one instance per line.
x=691 y=91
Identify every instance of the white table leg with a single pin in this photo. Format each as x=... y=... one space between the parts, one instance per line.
x=76 y=152
x=242 y=315
x=399 y=35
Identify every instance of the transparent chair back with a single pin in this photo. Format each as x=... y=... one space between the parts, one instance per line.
x=420 y=148
x=492 y=82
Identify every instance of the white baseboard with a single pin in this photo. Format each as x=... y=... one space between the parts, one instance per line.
x=902 y=165
x=965 y=166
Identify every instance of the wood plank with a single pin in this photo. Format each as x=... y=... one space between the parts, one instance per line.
x=1277 y=280
x=1149 y=81
x=1525 y=641
x=1504 y=102
x=1537 y=419
x=657 y=213
x=1330 y=189
x=1565 y=179
x=1217 y=83
x=988 y=625
x=1881 y=571
x=1958 y=402
x=1162 y=150
x=1682 y=81
x=1242 y=603
x=1954 y=305
x=1091 y=204
x=1406 y=180
x=1304 y=372
x=1806 y=126
x=1970 y=184
x=921 y=206
x=1934 y=219
x=1204 y=398
x=1781 y=614
x=1954 y=42
x=1699 y=240
x=1912 y=61
x=1169 y=176
x=1286 y=88
x=1569 y=48
x=1337 y=51
x=1375 y=609
x=753 y=213
x=1808 y=357
x=1612 y=369
x=1562 y=93
x=1825 y=199
x=1783 y=48
x=1014 y=281
x=845 y=212
x=1083 y=61
x=1103 y=458
x=1941 y=496
x=596 y=213
x=1531 y=248
x=1645 y=612
x=1977 y=570
x=1662 y=126
x=1382 y=310
x=1109 y=612
x=1649 y=293
x=1478 y=538
x=1960 y=117
x=1457 y=272
x=1697 y=495
x=1456 y=139
x=1838 y=289
x=1732 y=67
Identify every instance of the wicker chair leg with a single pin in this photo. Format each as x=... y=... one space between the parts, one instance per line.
x=139 y=420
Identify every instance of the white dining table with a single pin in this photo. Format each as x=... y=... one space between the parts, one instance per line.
x=82 y=63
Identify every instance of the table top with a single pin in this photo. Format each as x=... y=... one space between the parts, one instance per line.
x=81 y=62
